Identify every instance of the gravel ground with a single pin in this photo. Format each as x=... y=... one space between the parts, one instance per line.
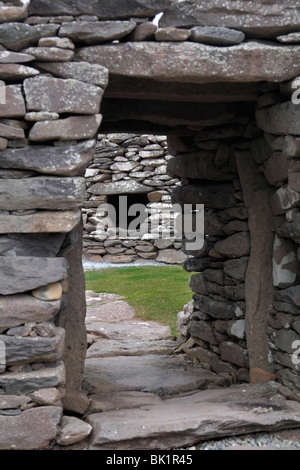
x=281 y=440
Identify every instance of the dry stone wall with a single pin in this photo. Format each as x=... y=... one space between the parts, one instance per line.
x=131 y=166
x=221 y=82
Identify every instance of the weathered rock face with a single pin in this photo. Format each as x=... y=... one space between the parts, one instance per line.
x=256 y=19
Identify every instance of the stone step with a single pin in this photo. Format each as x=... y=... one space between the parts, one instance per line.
x=160 y=374
x=109 y=348
x=184 y=421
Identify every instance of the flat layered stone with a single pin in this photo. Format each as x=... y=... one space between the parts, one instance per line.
x=73 y=430
x=14 y=106
x=42 y=193
x=42 y=221
x=83 y=71
x=11 y=72
x=33 y=349
x=217 y=36
x=119 y=187
x=170 y=256
x=104 y=9
x=290 y=295
x=72 y=128
x=11 y=132
x=135 y=329
x=262 y=20
x=87 y=32
x=31 y=430
x=9 y=57
x=172 y=34
x=20 y=383
x=122 y=400
x=111 y=348
x=291 y=38
x=281 y=119
x=21 y=273
x=40 y=245
x=19 y=309
x=10 y=13
x=49 y=54
x=216 y=308
x=163 y=375
x=113 y=311
x=197 y=63
x=64 y=43
x=18 y=36
x=62 y=161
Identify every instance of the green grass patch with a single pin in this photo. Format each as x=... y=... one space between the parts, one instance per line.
x=157 y=293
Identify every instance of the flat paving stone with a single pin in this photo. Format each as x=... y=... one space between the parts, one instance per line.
x=109 y=312
x=160 y=374
x=122 y=400
x=110 y=348
x=186 y=421
x=129 y=329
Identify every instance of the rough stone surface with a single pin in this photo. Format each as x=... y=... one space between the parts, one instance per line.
x=15 y=72
x=96 y=32
x=73 y=430
x=205 y=420
x=103 y=9
x=254 y=19
x=42 y=221
x=111 y=348
x=171 y=256
x=21 y=273
x=197 y=63
x=158 y=374
x=20 y=309
x=62 y=96
x=62 y=161
x=31 y=430
x=217 y=36
x=83 y=71
x=284 y=263
x=72 y=128
x=15 y=103
x=18 y=36
x=119 y=188
x=281 y=119
x=50 y=54
x=42 y=193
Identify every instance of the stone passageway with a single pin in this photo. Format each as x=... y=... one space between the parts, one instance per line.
x=144 y=394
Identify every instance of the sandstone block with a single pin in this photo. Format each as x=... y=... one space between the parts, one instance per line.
x=72 y=128
x=62 y=95
x=170 y=256
x=258 y=375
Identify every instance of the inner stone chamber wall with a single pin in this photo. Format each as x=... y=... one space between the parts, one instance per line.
x=223 y=99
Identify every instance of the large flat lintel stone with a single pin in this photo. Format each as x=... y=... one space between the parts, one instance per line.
x=197 y=63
